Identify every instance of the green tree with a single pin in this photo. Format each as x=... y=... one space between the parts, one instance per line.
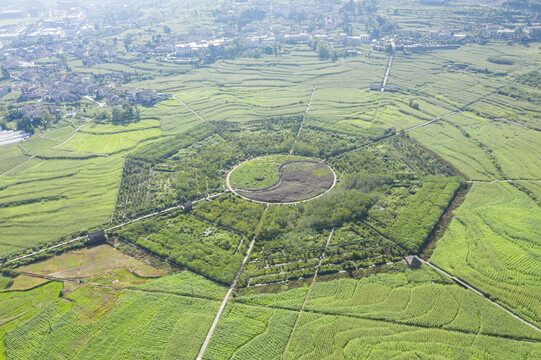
x=5 y=73
x=25 y=124
x=117 y=114
x=323 y=51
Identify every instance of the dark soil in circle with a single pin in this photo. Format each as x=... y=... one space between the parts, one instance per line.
x=299 y=181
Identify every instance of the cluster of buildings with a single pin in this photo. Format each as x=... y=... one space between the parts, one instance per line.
x=35 y=110
x=145 y=97
x=197 y=48
x=518 y=30
x=9 y=33
x=445 y=33
x=38 y=83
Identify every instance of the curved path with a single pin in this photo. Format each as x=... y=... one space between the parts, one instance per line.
x=234 y=191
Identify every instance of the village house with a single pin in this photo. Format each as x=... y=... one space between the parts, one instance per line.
x=97 y=236
x=147 y=96
x=413 y=261
x=33 y=111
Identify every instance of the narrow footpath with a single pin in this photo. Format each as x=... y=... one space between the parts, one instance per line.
x=302 y=123
x=430 y=122
x=189 y=108
x=230 y=291
x=388 y=69
x=307 y=294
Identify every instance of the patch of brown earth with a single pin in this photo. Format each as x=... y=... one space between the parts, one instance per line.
x=299 y=181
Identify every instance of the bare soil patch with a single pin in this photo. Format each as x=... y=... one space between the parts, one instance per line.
x=91 y=262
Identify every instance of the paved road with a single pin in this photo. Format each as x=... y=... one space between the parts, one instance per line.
x=387 y=71
x=94 y=101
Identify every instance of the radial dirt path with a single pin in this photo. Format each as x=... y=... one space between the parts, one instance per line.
x=307 y=294
x=228 y=295
x=302 y=123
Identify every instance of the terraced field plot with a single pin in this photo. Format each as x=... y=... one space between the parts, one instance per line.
x=249 y=332
x=111 y=139
x=492 y=244
x=11 y=157
x=45 y=200
x=77 y=332
x=17 y=307
x=484 y=150
x=318 y=336
x=323 y=278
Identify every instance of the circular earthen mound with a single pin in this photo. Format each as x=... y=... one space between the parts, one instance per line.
x=281 y=179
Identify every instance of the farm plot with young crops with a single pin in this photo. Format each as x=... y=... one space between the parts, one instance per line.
x=532 y=188
x=12 y=156
x=419 y=297
x=47 y=199
x=138 y=325
x=188 y=284
x=484 y=150
x=492 y=245
x=16 y=307
x=323 y=277
x=319 y=336
x=111 y=138
x=250 y=332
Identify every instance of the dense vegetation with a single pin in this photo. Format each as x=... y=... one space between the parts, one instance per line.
x=183 y=240
x=532 y=79
x=231 y=212
x=414 y=224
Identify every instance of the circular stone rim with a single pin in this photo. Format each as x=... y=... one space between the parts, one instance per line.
x=230 y=188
